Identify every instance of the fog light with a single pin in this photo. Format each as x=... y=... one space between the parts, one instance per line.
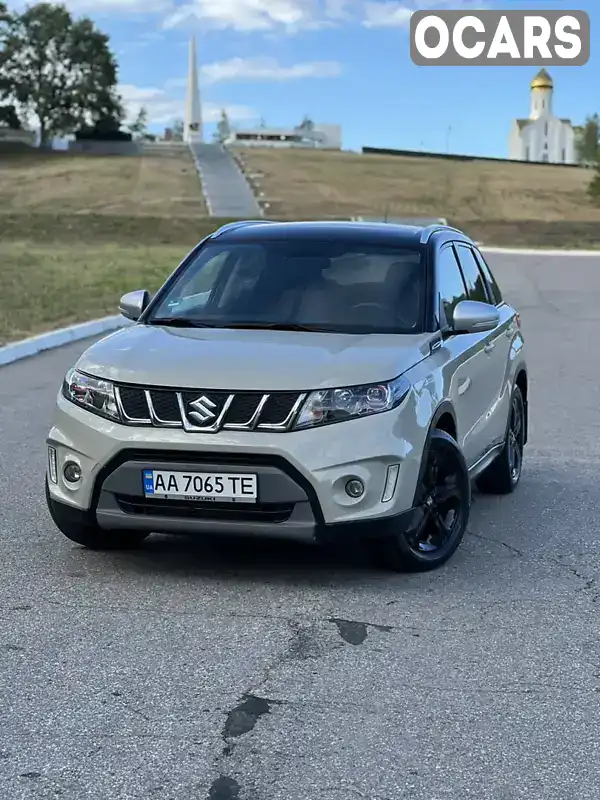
x=72 y=472
x=52 y=470
x=355 y=488
x=390 y=483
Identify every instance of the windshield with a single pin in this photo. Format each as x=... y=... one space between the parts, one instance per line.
x=301 y=285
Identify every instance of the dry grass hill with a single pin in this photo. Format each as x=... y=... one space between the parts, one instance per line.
x=77 y=231
x=61 y=182
x=499 y=202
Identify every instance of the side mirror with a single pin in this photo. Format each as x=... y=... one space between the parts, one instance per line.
x=471 y=316
x=133 y=304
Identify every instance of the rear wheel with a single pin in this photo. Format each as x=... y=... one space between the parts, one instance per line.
x=79 y=528
x=442 y=507
x=504 y=473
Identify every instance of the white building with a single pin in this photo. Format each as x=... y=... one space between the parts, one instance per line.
x=542 y=136
x=323 y=137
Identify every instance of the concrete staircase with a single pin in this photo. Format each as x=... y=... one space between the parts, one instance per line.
x=226 y=190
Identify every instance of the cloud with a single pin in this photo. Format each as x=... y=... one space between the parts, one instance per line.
x=292 y=16
x=268 y=16
x=110 y=7
x=164 y=109
x=255 y=15
x=267 y=69
x=259 y=69
x=386 y=15
x=395 y=14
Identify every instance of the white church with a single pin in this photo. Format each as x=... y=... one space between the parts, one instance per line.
x=542 y=136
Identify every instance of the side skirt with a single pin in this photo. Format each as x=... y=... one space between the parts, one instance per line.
x=486 y=459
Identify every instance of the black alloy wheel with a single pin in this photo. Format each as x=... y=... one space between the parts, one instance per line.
x=442 y=507
x=514 y=442
x=504 y=473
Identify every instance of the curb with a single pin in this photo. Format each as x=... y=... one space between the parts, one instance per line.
x=49 y=341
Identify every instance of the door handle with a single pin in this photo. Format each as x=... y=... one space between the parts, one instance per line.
x=464 y=385
x=488 y=347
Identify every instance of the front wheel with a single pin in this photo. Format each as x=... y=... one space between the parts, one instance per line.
x=442 y=507
x=77 y=527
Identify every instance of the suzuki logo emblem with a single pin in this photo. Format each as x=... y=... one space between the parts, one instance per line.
x=202 y=410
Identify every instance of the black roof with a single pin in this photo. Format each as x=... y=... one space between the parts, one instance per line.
x=380 y=232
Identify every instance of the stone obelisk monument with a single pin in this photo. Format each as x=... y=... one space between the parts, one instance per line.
x=193 y=110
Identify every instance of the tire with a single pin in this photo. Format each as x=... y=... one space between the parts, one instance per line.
x=504 y=473
x=425 y=547
x=77 y=526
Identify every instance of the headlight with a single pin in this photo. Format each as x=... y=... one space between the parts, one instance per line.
x=336 y=405
x=93 y=394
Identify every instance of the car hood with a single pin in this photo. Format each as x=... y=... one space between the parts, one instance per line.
x=250 y=359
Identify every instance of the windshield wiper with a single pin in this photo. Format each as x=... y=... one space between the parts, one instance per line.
x=180 y=322
x=186 y=322
x=277 y=326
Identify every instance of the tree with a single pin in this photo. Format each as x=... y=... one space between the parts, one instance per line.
x=306 y=125
x=58 y=70
x=178 y=130
x=106 y=129
x=594 y=187
x=223 y=127
x=9 y=117
x=139 y=127
x=587 y=140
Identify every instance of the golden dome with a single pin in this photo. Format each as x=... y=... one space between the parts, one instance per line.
x=542 y=81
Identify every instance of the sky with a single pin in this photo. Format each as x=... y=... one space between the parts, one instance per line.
x=343 y=62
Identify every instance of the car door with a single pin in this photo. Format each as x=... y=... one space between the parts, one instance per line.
x=491 y=427
x=504 y=341
x=465 y=368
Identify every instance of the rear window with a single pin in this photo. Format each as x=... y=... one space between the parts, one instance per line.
x=343 y=287
x=493 y=287
x=474 y=280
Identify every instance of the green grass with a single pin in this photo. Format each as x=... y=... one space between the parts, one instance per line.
x=45 y=288
x=77 y=232
x=57 y=270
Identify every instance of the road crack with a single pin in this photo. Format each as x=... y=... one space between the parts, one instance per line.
x=588 y=585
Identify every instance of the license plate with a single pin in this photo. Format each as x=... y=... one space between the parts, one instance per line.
x=204 y=486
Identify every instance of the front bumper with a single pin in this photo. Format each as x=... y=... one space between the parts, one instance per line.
x=301 y=476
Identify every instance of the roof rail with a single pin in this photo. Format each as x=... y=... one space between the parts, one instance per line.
x=427 y=232
x=241 y=223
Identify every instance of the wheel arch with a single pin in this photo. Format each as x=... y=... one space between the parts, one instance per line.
x=522 y=382
x=443 y=419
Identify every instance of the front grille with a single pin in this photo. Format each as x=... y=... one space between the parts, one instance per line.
x=208 y=411
x=258 y=512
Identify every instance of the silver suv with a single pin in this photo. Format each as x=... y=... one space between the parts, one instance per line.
x=315 y=380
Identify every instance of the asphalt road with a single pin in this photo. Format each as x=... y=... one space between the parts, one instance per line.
x=193 y=671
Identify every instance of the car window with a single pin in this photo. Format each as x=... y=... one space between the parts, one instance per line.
x=476 y=287
x=195 y=292
x=491 y=281
x=334 y=285
x=450 y=283
x=242 y=278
